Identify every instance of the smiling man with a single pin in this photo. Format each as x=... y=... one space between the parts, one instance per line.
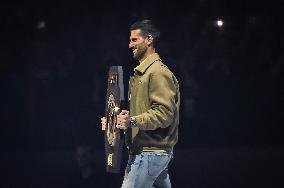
x=152 y=121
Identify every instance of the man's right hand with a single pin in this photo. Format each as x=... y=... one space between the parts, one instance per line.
x=103 y=122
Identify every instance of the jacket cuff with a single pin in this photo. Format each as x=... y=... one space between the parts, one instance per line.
x=139 y=121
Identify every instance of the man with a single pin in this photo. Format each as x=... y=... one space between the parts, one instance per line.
x=152 y=120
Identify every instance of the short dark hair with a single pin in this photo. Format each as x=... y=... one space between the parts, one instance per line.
x=147 y=28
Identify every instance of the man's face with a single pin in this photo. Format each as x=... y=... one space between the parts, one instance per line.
x=138 y=44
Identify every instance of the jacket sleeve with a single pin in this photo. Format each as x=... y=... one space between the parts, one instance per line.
x=162 y=99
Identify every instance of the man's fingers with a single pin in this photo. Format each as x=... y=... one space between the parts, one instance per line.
x=124 y=112
x=103 y=119
x=120 y=126
x=103 y=123
x=103 y=128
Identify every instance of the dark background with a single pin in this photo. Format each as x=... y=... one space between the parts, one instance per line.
x=54 y=58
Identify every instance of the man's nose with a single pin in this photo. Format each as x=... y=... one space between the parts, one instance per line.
x=130 y=45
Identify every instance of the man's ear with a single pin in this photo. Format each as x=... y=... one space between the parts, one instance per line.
x=150 y=39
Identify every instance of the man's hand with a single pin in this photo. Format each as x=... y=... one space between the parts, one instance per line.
x=104 y=123
x=123 y=120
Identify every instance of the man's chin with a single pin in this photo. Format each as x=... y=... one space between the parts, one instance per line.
x=135 y=57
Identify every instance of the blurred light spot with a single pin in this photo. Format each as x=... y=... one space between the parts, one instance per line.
x=41 y=25
x=220 y=23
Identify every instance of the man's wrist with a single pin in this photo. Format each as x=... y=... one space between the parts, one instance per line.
x=133 y=122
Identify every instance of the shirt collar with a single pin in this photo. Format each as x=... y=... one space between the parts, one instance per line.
x=147 y=63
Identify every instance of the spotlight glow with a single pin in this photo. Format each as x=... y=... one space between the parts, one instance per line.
x=220 y=23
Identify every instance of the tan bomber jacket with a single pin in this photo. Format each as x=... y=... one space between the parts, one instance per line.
x=154 y=101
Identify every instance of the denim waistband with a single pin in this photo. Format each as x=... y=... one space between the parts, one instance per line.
x=150 y=149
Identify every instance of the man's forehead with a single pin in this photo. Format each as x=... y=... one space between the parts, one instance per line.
x=135 y=33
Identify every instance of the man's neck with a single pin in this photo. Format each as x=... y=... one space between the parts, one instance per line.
x=147 y=55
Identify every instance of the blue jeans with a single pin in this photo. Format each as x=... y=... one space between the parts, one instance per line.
x=147 y=170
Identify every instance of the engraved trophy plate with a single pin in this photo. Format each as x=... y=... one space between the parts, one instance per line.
x=113 y=140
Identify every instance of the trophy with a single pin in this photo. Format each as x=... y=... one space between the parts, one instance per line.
x=113 y=139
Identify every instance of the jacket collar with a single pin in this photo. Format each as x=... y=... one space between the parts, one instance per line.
x=147 y=63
